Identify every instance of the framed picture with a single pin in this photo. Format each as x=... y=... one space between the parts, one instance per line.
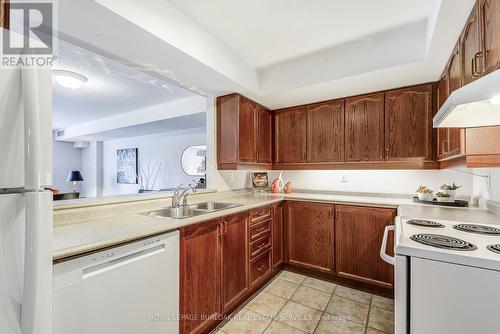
x=126 y=166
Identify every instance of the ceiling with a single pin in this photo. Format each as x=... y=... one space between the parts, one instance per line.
x=264 y=32
x=192 y=122
x=112 y=88
x=279 y=53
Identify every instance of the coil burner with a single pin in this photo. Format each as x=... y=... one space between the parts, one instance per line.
x=442 y=241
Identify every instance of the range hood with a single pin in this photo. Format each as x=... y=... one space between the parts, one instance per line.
x=474 y=105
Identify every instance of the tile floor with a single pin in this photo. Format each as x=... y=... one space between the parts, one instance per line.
x=294 y=303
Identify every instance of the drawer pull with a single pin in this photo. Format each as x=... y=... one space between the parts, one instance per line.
x=261 y=267
x=261 y=245
x=262 y=229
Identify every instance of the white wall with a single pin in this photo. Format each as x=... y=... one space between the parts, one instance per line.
x=65 y=159
x=165 y=148
x=91 y=170
x=487 y=189
x=375 y=181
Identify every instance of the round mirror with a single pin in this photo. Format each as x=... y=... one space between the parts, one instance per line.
x=193 y=160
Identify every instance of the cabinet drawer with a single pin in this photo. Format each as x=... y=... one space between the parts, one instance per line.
x=260 y=268
x=260 y=214
x=259 y=230
x=260 y=246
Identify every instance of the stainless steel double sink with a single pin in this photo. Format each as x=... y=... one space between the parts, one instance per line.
x=192 y=210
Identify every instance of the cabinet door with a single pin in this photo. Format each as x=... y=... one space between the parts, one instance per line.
x=309 y=235
x=364 y=128
x=247 y=131
x=408 y=123
x=490 y=29
x=291 y=138
x=358 y=236
x=454 y=135
x=200 y=255
x=264 y=136
x=277 y=233
x=234 y=260
x=325 y=132
x=471 y=48
x=442 y=133
x=454 y=71
x=4 y=14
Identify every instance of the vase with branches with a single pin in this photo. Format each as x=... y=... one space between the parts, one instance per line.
x=148 y=174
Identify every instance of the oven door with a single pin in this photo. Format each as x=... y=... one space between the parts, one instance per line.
x=401 y=285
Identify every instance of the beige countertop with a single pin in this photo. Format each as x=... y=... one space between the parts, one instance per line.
x=87 y=228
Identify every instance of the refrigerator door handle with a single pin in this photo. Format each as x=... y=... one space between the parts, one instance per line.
x=37 y=106
x=383 y=254
x=36 y=309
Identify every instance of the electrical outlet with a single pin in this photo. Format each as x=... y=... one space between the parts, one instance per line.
x=231 y=177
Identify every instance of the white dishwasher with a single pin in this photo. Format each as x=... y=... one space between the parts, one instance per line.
x=129 y=289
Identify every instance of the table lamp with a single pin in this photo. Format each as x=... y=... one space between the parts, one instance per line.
x=74 y=176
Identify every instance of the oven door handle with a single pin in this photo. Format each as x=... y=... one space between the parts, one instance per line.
x=383 y=254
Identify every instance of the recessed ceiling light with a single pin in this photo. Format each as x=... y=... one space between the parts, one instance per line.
x=68 y=79
x=495 y=100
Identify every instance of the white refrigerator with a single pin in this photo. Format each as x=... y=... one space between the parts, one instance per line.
x=25 y=208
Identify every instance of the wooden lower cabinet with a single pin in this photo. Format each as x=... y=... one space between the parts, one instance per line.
x=200 y=268
x=234 y=249
x=358 y=236
x=277 y=232
x=217 y=271
x=310 y=235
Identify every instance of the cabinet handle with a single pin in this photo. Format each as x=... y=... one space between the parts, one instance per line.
x=261 y=267
x=261 y=245
x=262 y=229
x=443 y=145
x=475 y=72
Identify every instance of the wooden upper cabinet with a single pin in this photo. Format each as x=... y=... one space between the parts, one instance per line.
x=291 y=136
x=264 y=138
x=4 y=14
x=247 y=138
x=200 y=271
x=442 y=90
x=408 y=123
x=235 y=283
x=244 y=133
x=358 y=236
x=309 y=235
x=454 y=71
x=470 y=44
x=489 y=11
x=442 y=133
x=364 y=128
x=325 y=132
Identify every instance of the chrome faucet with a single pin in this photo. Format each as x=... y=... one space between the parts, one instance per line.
x=182 y=195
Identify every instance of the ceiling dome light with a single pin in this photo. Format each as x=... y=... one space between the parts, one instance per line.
x=68 y=79
x=495 y=100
